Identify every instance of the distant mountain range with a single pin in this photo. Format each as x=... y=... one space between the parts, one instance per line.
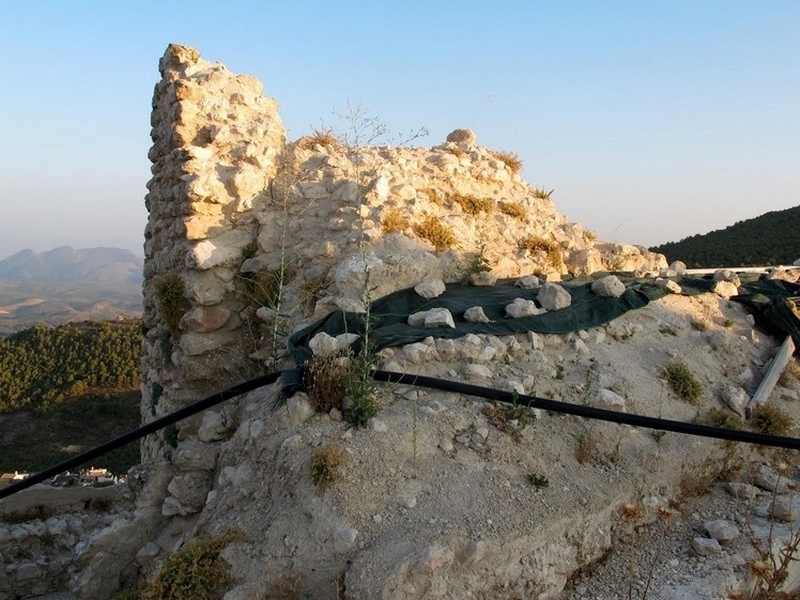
x=71 y=265
x=769 y=240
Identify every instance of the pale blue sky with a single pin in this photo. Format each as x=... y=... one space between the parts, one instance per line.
x=652 y=121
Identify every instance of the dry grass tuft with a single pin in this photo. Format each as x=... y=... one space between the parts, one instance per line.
x=325 y=464
x=473 y=205
x=769 y=419
x=326 y=382
x=441 y=236
x=541 y=193
x=394 y=220
x=535 y=244
x=513 y=209
x=320 y=137
x=512 y=161
x=587 y=446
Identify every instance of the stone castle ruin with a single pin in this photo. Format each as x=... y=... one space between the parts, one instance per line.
x=239 y=217
x=441 y=495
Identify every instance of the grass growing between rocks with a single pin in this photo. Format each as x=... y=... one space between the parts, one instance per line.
x=513 y=161
x=683 y=382
x=195 y=572
x=438 y=234
x=325 y=464
x=769 y=419
x=535 y=244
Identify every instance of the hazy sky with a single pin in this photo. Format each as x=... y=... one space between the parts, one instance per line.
x=651 y=120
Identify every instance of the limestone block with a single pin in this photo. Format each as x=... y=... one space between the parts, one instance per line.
x=678 y=267
x=482 y=279
x=465 y=136
x=609 y=400
x=608 y=287
x=529 y=282
x=585 y=262
x=299 y=408
x=727 y=275
x=523 y=308
x=431 y=288
x=439 y=317
x=248 y=182
x=199 y=226
x=195 y=344
x=668 y=285
x=725 y=289
x=553 y=297
x=193 y=455
x=417 y=319
x=478 y=372
x=204 y=319
x=213 y=428
x=434 y=558
x=345 y=340
x=723 y=531
x=475 y=314
x=190 y=489
x=404 y=192
x=418 y=353
x=222 y=250
x=736 y=398
x=706 y=546
x=344 y=539
x=323 y=345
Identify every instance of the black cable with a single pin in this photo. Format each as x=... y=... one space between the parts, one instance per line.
x=590 y=412
x=132 y=436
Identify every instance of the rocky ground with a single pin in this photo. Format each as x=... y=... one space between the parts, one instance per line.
x=438 y=498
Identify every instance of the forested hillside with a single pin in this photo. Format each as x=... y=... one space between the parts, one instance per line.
x=771 y=239
x=43 y=366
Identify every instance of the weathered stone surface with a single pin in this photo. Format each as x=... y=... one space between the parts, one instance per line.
x=435 y=557
x=530 y=282
x=323 y=345
x=609 y=400
x=430 y=289
x=223 y=250
x=475 y=314
x=668 y=285
x=725 y=289
x=213 y=428
x=609 y=286
x=190 y=489
x=465 y=136
x=523 y=308
x=204 y=319
x=736 y=399
x=553 y=297
x=678 y=267
x=417 y=319
x=482 y=279
x=706 y=546
x=439 y=317
x=723 y=531
x=194 y=455
x=478 y=372
x=344 y=539
x=727 y=275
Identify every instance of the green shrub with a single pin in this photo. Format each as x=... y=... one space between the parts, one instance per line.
x=682 y=382
x=436 y=233
x=196 y=572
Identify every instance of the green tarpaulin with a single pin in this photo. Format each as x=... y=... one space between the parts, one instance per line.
x=769 y=300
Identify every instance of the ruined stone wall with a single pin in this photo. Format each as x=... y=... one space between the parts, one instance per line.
x=249 y=238
x=216 y=142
